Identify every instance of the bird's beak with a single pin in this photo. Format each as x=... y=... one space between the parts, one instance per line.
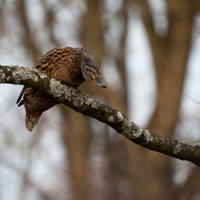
x=99 y=82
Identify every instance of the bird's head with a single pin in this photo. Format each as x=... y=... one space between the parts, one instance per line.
x=91 y=73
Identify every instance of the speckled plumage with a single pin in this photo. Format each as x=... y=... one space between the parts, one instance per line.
x=66 y=65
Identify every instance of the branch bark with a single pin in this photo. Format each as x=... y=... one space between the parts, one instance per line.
x=88 y=105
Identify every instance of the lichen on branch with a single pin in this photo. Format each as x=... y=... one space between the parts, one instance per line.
x=88 y=105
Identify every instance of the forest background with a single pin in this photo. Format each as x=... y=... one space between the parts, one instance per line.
x=148 y=54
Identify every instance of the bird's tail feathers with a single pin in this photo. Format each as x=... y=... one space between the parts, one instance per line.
x=20 y=96
x=32 y=120
x=21 y=103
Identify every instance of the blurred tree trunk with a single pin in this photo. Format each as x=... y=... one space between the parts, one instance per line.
x=190 y=189
x=27 y=38
x=76 y=137
x=92 y=38
x=170 y=55
x=50 y=22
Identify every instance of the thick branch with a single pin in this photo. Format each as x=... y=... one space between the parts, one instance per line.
x=88 y=105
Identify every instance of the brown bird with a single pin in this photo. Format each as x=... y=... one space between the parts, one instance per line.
x=70 y=66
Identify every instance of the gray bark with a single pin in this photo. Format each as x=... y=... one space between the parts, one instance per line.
x=88 y=105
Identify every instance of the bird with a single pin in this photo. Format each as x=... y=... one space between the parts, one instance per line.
x=70 y=66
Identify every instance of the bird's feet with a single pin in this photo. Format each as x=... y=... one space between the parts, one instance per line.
x=42 y=98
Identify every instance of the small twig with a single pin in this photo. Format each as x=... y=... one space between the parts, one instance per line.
x=191 y=98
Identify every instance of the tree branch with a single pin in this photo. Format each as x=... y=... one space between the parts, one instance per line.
x=88 y=105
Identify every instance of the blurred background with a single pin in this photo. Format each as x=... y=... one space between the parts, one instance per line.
x=148 y=52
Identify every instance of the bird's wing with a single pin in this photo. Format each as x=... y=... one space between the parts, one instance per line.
x=53 y=52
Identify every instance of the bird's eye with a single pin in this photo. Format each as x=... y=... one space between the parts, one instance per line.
x=88 y=69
